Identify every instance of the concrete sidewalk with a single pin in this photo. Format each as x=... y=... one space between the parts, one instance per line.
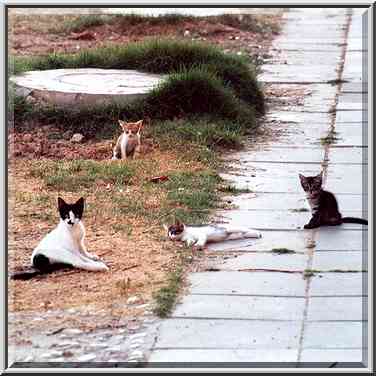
x=308 y=305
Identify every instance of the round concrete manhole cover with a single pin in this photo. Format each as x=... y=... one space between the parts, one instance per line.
x=89 y=85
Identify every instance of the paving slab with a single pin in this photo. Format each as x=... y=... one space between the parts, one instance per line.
x=240 y=307
x=248 y=283
x=333 y=335
x=353 y=116
x=348 y=155
x=224 y=356
x=299 y=117
x=352 y=101
x=337 y=284
x=278 y=220
x=351 y=134
x=341 y=179
x=335 y=308
x=270 y=201
x=294 y=134
x=273 y=261
x=282 y=155
x=301 y=74
x=296 y=241
x=233 y=334
x=339 y=260
x=354 y=87
x=305 y=57
x=329 y=239
x=331 y=355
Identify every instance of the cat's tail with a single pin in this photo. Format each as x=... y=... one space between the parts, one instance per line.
x=361 y=221
x=41 y=265
x=24 y=275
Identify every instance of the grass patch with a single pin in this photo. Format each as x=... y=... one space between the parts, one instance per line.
x=250 y=22
x=72 y=176
x=307 y=273
x=166 y=296
x=234 y=190
x=158 y=56
x=299 y=210
x=192 y=195
x=331 y=138
x=81 y=23
x=282 y=251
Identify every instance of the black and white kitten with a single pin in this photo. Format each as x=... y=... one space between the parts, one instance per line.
x=198 y=236
x=64 y=246
x=323 y=204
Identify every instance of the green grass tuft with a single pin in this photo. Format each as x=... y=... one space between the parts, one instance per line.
x=282 y=251
x=158 y=56
x=71 y=176
x=165 y=297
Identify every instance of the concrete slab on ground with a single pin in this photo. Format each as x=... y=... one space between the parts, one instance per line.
x=248 y=283
x=335 y=334
x=273 y=261
x=230 y=334
x=297 y=241
x=335 y=308
x=331 y=355
x=339 y=260
x=338 y=239
x=240 y=307
x=224 y=355
x=337 y=284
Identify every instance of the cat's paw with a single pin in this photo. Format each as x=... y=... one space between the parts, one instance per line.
x=308 y=226
x=103 y=267
x=93 y=256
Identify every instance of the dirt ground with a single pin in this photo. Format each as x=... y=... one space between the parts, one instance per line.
x=38 y=35
x=138 y=254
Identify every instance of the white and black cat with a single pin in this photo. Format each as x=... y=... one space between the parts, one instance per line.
x=199 y=236
x=64 y=246
x=323 y=204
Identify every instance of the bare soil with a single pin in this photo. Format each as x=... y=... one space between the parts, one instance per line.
x=139 y=259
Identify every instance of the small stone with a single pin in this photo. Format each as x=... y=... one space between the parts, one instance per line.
x=77 y=138
x=98 y=345
x=134 y=300
x=30 y=99
x=114 y=349
x=51 y=354
x=67 y=354
x=187 y=33
x=27 y=137
x=86 y=358
x=67 y=135
x=72 y=331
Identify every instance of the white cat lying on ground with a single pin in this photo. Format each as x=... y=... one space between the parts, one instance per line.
x=200 y=235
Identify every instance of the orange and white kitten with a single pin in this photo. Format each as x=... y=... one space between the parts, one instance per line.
x=129 y=142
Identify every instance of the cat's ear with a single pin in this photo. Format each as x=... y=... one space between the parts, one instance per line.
x=79 y=207
x=122 y=123
x=302 y=178
x=61 y=203
x=140 y=124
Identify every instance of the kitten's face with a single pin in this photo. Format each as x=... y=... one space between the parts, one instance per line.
x=132 y=130
x=175 y=232
x=71 y=214
x=311 y=184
